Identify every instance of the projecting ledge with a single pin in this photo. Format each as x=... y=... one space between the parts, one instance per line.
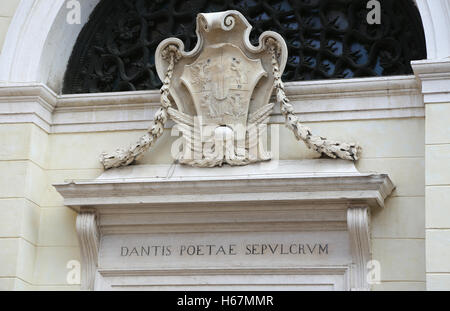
x=319 y=181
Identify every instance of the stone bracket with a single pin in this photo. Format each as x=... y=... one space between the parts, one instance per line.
x=89 y=237
x=358 y=228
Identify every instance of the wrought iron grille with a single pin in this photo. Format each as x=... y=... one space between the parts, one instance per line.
x=327 y=39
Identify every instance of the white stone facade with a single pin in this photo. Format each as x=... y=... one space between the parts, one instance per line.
x=402 y=123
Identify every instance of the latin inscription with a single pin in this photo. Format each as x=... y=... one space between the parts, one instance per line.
x=220 y=250
x=225 y=250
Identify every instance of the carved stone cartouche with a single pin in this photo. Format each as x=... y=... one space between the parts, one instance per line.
x=219 y=94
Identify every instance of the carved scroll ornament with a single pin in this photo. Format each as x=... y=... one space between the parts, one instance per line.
x=219 y=94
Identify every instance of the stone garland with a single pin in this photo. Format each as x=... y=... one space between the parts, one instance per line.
x=333 y=149
x=124 y=157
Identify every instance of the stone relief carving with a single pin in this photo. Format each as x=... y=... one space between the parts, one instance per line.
x=219 y=95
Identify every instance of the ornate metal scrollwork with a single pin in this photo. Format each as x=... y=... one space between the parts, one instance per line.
x=326 y=39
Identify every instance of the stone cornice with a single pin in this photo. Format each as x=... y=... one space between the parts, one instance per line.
x=314 y=101
x=321 y=187
x=29 y=91
x=352 y=87
x=434 y=76
x=432 y=67
x=27 y=103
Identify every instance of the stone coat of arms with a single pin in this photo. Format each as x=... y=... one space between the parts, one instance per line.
x=219 y=95
x=221 y=82
x=222 y=90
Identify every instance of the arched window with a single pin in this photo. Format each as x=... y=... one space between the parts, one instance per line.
x=327 y=39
